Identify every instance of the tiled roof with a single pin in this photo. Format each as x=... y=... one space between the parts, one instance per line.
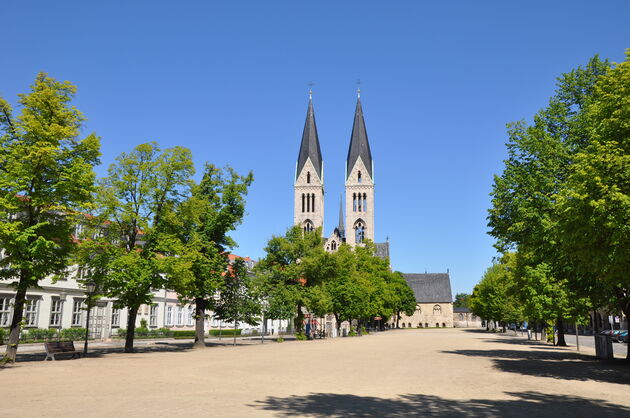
x=382 y=250
x=463 y=309
x=430 y=287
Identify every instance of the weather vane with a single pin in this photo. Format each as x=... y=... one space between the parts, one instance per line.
x=310 y=89
x=359 y=88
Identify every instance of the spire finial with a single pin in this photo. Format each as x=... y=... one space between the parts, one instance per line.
x=358 y=89
x=310 y=90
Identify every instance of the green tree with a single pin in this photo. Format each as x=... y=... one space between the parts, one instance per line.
x=293 y=263
x=136 y=201
x=524 y=198
x=239 y=302
x=594 y=207
x=201 y=226
x=461 y=300
x=403 y=299
x=46 y=179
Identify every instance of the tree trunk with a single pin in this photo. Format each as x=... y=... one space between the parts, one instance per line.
x=338 y=325
x=132 y=314
x=397 y=319
x=200 y=316
x=14 y=330
x=299 y=319
x=503 y=326
x=359 y=327
x=560 y=325
x=626 y=312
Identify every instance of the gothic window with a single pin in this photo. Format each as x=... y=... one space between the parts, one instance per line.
x=354 y=202
x=409 y=324
x=308 y=176
x=443 y=324
x=437 y=310
x=333 y=246
x=359 y=177
x=437 y=325
x=303 y=202
x=359 y=232
x=364 y=202
x=308 y=226
x=313 y=202
x=308 y=203
x=360 y=203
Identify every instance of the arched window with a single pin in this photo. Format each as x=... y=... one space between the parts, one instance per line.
x=307 y=226
x=360 y=203
x=359 y=177
x=364 y=202
x=359 y=232
x=313 y=202
x=437 y=310
x=303 y=202
x=437 y=325
x=333 y=246
x=443 y=324
x=409 y=324
x=403 y=325
x=426 y=325
x=308 y=176
x=308 y=203
x=354 y=202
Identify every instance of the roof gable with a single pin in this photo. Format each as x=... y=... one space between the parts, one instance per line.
x=430 y=287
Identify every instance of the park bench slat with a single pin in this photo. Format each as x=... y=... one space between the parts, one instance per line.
x=60 y=347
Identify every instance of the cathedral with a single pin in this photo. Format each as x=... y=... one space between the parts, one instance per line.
x=434 y=307
x=358 y=206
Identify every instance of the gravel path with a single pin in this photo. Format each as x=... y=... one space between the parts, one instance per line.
x=434 y=372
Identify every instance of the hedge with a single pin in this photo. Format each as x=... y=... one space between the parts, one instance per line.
x=228 y=332
x=184 y=333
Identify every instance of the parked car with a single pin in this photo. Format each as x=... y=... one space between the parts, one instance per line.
x=607 y=332
x=621 y=336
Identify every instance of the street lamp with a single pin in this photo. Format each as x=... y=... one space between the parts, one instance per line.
x=90 y=287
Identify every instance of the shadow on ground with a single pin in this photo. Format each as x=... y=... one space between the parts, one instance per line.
x=526 y=404
x=540 y=361
x=154 y=347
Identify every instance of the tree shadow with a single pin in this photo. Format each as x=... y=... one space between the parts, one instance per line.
x=525 y=404
x=554 y=364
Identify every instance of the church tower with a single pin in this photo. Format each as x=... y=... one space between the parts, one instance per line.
x=359 y=183
x=309 y=177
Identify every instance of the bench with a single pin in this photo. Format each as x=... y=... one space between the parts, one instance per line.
x=60 y=347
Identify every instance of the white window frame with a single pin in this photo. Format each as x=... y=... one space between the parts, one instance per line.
x=190 y=317
x=6 y=303
x=56 y=312
x=115 y=317
x=78 y=306
x=169 y=315
x=180 y=316
x=153 y=315
x=31 y=312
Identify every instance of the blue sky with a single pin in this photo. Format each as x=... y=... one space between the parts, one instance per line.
x=229 y=80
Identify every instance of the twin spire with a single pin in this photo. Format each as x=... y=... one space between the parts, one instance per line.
x=359 y=145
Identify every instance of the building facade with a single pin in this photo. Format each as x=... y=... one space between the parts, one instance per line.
x=434 y=302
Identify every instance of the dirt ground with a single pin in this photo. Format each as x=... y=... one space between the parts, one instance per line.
x=434 y=372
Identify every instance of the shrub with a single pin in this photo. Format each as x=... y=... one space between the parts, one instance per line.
x=121 y=332
x=3 y=335
x=142 y=331
x=40 y=334
x=144 y=323
x=73 y=334
x=184 y=334
x=228 y=332
x=279 y=340
x=300 y=336
x=352 y=333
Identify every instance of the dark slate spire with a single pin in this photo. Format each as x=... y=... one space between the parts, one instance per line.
x=309 y=148
x=359 y=145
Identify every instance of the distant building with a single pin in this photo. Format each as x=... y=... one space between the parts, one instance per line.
x=464 y=318
x=434 y=301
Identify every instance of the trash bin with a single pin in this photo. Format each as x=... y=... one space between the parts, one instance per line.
x=603 y=347
x=529 y=334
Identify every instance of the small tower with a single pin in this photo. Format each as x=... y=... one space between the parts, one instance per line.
x=309 y=177
x=359 y=183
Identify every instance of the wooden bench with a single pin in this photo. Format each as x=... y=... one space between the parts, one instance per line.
x=60 y=347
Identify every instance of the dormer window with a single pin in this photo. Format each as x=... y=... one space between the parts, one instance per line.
x=308 y=177
x=359 y=177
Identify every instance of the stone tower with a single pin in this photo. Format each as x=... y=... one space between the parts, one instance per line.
x=309 y=177
x=359 y=183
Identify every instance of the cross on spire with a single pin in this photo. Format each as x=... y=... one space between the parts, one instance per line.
x=359 y=89
x=310 y=90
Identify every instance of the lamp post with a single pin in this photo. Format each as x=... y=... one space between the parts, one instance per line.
x=90 y=287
